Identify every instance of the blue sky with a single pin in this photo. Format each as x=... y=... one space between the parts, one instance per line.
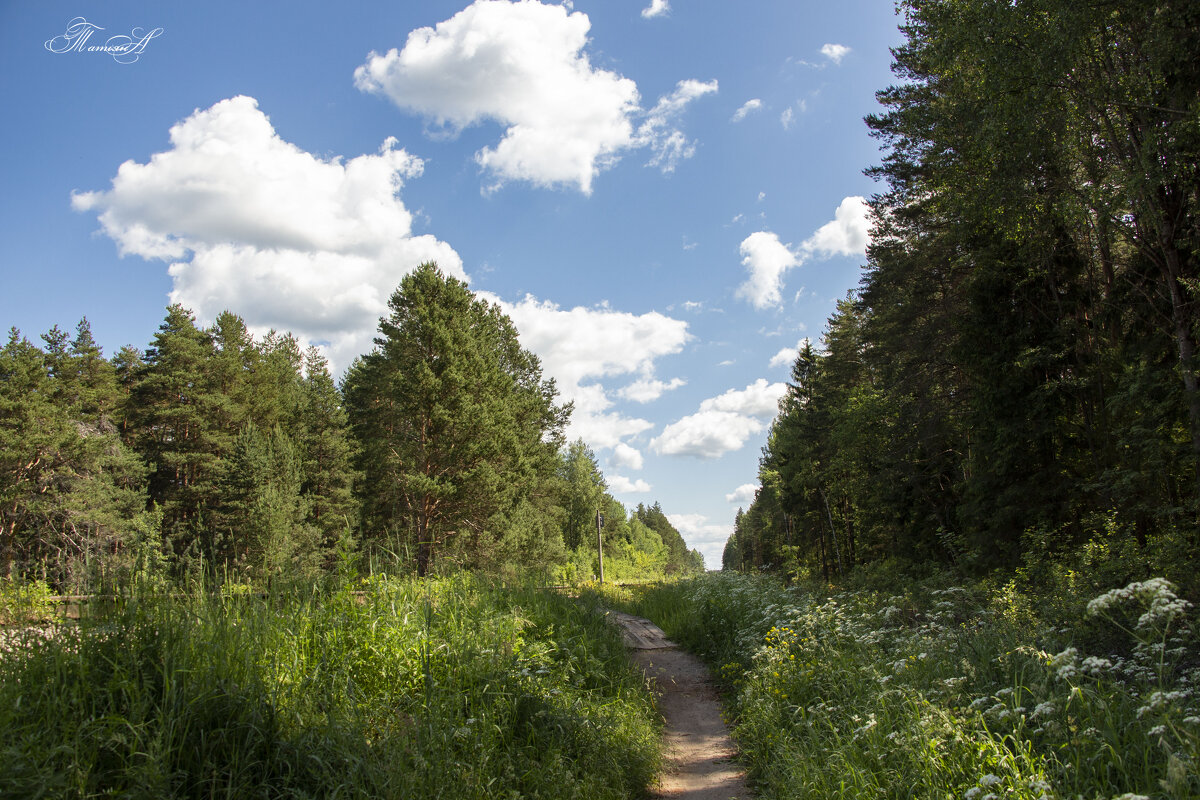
x=665 y=196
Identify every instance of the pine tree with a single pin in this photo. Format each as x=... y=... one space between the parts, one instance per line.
x=453 y=419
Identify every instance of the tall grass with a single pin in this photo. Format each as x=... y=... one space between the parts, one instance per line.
x=948 y=691
x=447 y=688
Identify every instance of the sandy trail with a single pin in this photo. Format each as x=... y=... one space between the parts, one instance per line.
x=699 y=751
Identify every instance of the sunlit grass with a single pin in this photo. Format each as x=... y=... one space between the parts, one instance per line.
x=403 y=688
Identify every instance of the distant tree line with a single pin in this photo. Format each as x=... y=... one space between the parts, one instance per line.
x=1018 y=372
x=216 y=454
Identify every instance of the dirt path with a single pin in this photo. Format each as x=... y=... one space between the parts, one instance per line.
x=699 y=751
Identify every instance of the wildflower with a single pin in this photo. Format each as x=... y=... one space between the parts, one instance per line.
x=1044 y=710
x=1066 y=664
x=972 y=793
x=1158 y=593
x=990 y=780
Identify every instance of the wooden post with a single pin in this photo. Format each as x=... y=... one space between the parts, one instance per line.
x=600 y=542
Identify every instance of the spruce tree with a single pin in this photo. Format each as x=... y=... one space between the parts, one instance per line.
x=172 y=414
x=326 y=452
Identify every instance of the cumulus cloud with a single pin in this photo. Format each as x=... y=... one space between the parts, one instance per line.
x=847 y=234
x=522 y=64
x=760 y=399
x=723 y=423
x=626 y=457
x=580 y=346
x=657 y=8
x=766 y=259
x=742 y=495
x=645 y=390
x=834 y=52
x=706 y=434
x=787 y=355
x=619 y=484
x=700 y=534
x=253 y=223
x=750 y=105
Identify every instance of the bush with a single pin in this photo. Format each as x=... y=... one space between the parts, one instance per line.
x=24 y=602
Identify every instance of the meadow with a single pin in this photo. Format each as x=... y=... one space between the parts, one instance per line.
x=380 y=688
x=938 y=688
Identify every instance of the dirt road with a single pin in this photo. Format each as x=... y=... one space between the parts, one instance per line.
x=699 y=751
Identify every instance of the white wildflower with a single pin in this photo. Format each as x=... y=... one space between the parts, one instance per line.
x=1094 y=664
x=990 y=780
x=1044 y=709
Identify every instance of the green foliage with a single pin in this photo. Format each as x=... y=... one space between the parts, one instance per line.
x=400 y=688
x=218 y=458
x=24 y=602
x=72 y=496
x=1022 y=351
x=453 y=420
x=583 y=488
x=935 y=689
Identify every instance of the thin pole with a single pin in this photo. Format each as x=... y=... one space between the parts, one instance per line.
x=600 y=542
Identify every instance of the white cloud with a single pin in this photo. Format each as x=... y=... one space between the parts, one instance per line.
x=578 y=346
x=760 y=399
x=626 y=457
x=742 y=495
x=786 y=118
x=657 y=8
x=667 y=143
x=846 y=235
x=834 y=52
x=706 y=434
x=253 y=223
x=750 y=105
x=619 y=484
x=522 y=64
x=787 y=356
x=766 y=259
x=648 y=389
x=700 y=534
x=723 y=423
